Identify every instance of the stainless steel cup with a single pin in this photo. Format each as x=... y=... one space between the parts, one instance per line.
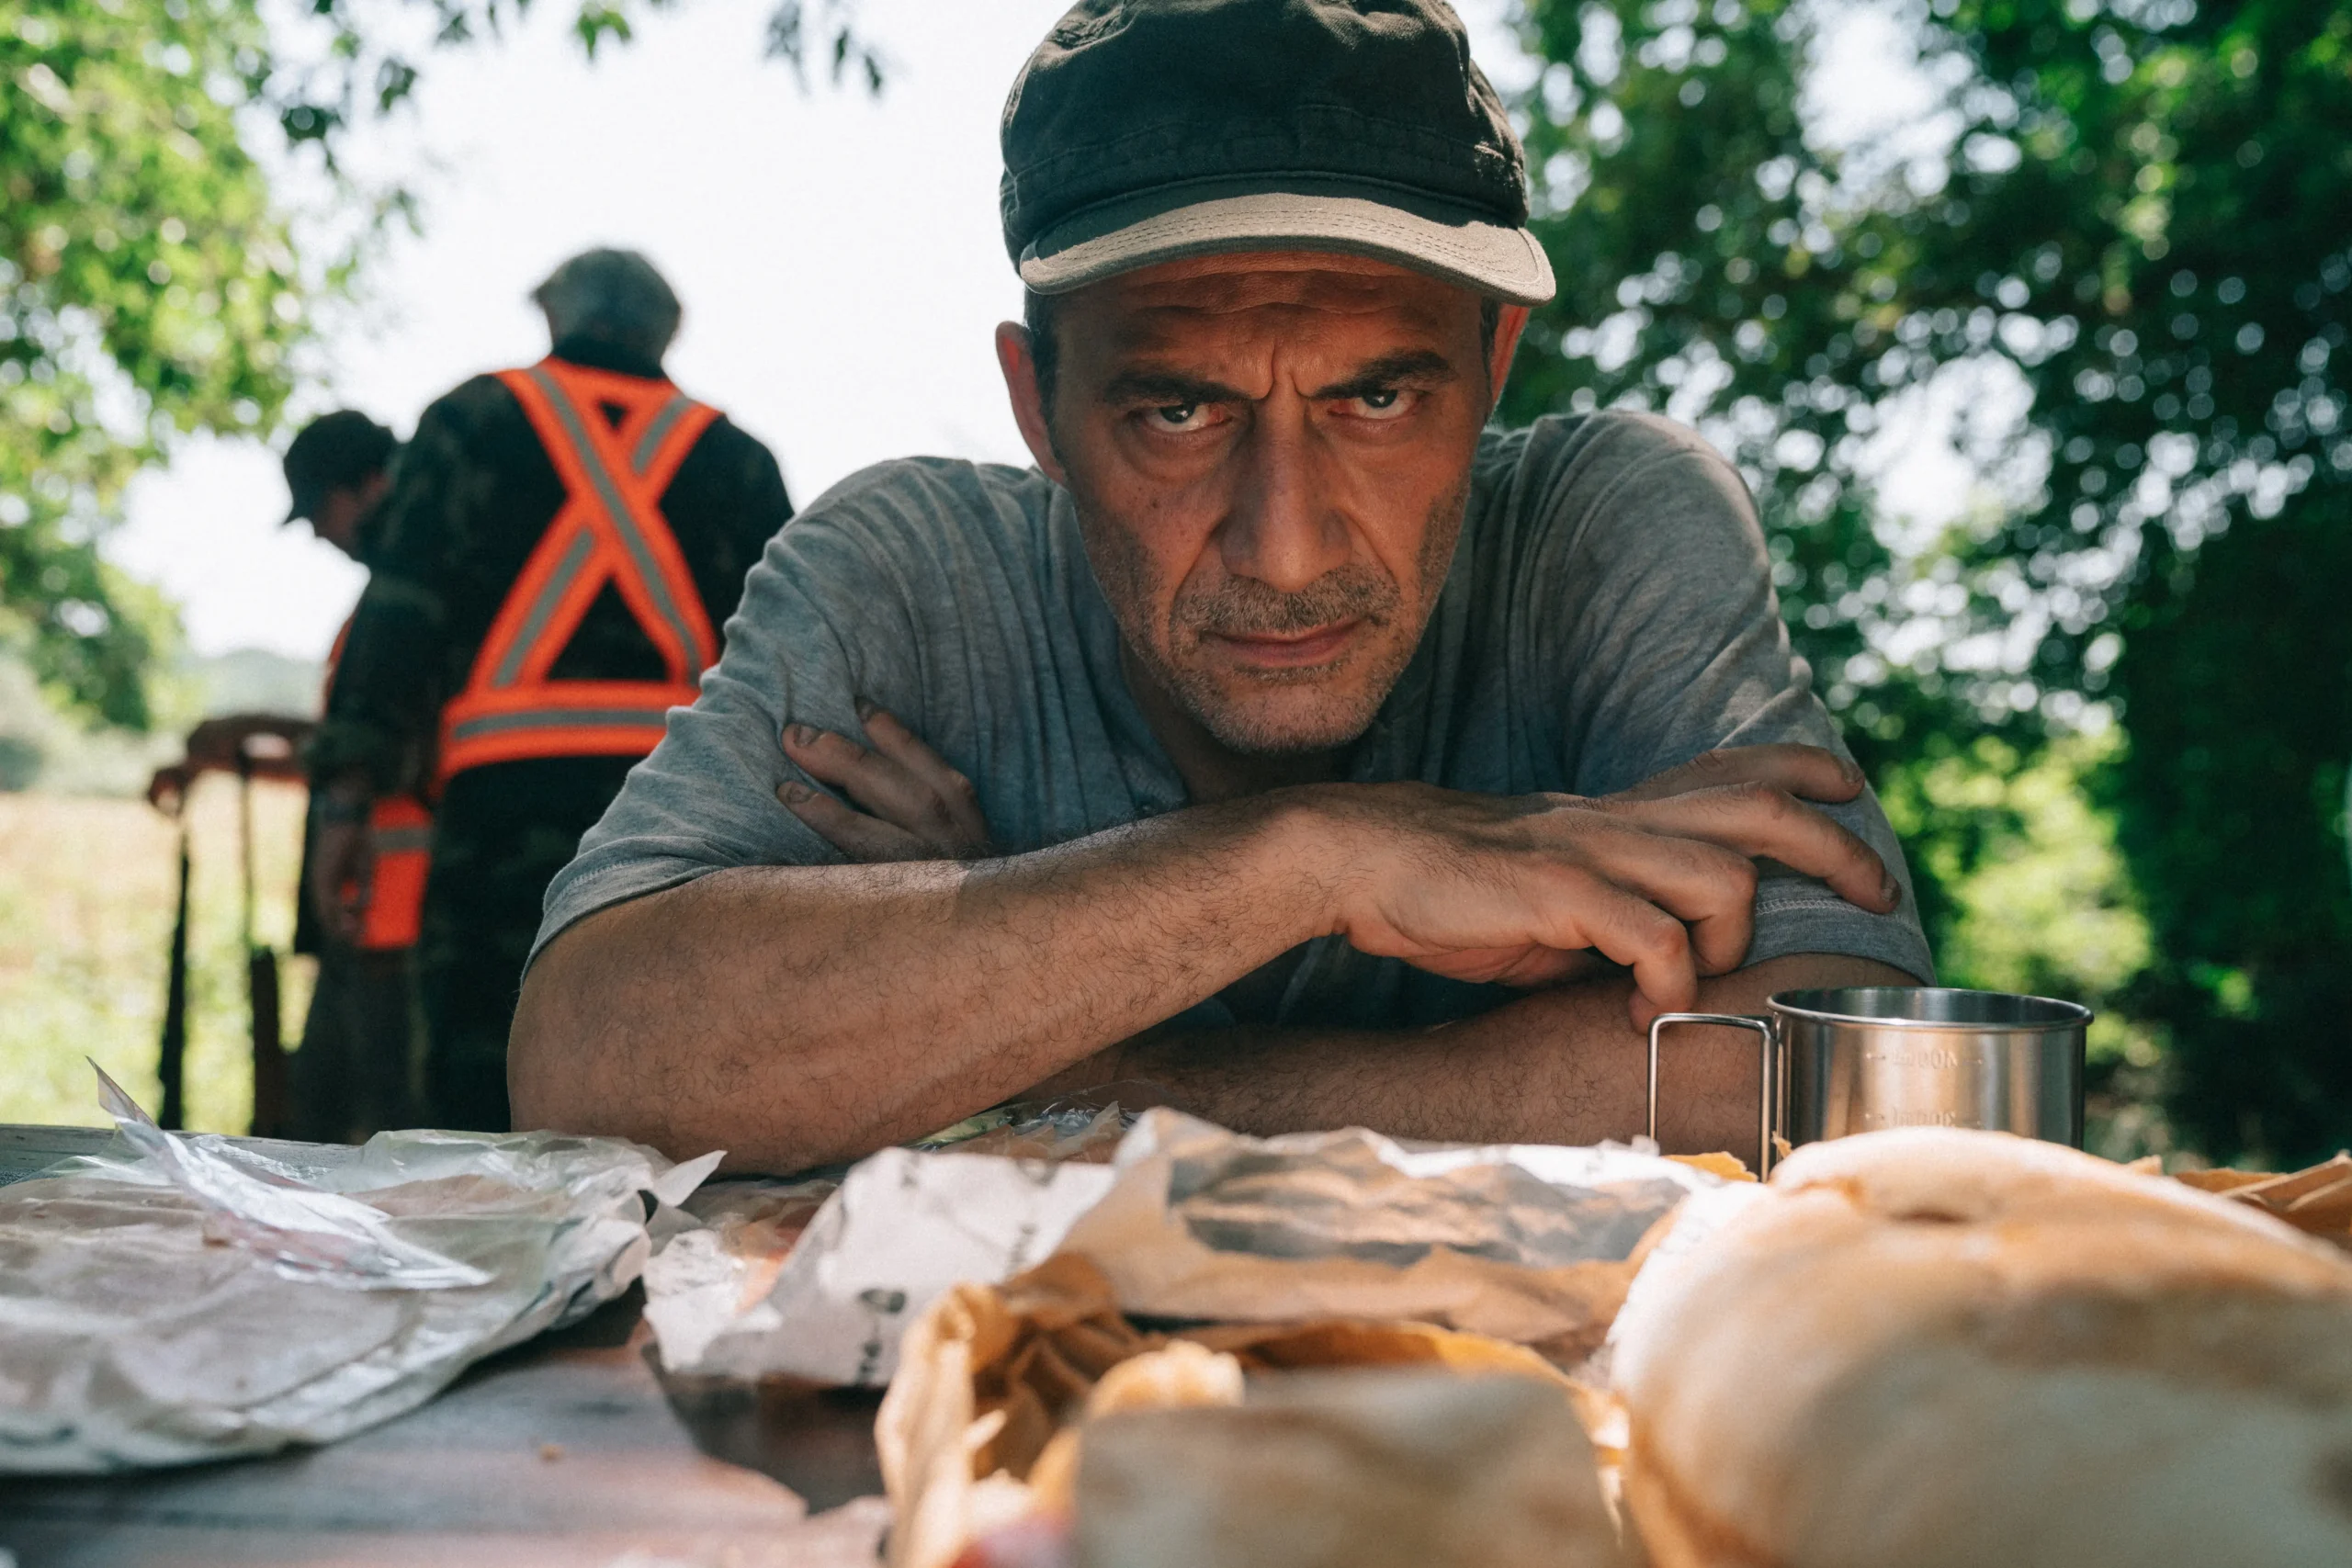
x=1862 y=1058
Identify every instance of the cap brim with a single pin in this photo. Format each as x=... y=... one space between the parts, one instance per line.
x=1491 y=258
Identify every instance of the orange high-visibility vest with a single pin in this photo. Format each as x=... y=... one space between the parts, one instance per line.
x=609 y=529
x=400 y=837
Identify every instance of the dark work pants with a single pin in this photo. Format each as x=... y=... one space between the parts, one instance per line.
x=500 y=835
x=350 y=1078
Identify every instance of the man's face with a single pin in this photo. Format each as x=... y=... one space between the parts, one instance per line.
x=339 y=514
x=1270 y=456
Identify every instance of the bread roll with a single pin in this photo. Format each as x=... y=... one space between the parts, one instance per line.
x=1932 y=1347
x=1382 y=1468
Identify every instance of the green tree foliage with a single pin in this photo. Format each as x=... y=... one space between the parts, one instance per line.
x=2133 y=215
x=2237 y=676
x=147 y=288
x=154 y=283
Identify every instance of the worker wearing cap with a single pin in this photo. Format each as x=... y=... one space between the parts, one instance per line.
x=1286 y=740
x=350 y=1078
x=559 y=546
x=338 y=468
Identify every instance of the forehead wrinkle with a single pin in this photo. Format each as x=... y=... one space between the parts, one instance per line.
x=1260 y=345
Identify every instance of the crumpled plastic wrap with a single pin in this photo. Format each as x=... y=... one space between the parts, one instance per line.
x=199 y=1301
x=721 y=1302
x=1528 y=1243
x=903 y=1227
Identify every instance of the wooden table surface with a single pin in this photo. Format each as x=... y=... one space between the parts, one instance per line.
x=574 y=1449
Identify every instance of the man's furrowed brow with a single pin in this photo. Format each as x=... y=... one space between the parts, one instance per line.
x=1406 y=367
x=1168 y=387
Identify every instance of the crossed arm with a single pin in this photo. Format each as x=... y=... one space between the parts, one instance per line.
x=795 y=1015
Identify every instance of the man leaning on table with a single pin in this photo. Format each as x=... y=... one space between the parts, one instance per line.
x=1284 y=740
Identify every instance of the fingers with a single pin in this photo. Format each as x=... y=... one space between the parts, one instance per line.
x=866 y=839
x=1711 y=889
x=897 y=780
x=1758 y=820
x=1809 y=773
x=952 y=790
x=1629 y=929
x=341 y=872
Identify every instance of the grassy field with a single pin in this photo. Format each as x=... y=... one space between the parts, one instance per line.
x=85 y=917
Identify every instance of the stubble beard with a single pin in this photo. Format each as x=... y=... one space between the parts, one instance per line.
x=1218 y=700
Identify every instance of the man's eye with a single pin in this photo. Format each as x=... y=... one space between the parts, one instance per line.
x=1389 y=402
x=1177 y=416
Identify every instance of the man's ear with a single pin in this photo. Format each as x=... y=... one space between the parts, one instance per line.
x=1020 y=368
x=1508 y=324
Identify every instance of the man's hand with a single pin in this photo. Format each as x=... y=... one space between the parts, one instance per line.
x=912 y=805
x=1524 y=890
x=343 y=860
x=1660 y=878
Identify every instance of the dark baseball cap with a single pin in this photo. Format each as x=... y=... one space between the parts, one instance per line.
x=334 y=450
x=1146 y=130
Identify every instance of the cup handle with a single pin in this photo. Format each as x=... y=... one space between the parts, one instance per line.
x=1769 y=1038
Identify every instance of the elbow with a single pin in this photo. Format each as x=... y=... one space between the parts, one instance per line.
x=535 y=1089
x=558 y=1059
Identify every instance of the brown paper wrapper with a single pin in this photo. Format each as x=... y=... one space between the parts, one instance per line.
x=977 y=1429
x=2317 y=1199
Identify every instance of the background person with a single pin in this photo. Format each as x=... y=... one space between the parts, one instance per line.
x=558 y=550
x=352 y=1076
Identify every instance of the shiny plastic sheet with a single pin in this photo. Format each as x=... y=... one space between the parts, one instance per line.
x=199 y=1301
x=745 y=1296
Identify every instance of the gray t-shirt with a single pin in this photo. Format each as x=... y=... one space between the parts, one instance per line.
x=1609 y=614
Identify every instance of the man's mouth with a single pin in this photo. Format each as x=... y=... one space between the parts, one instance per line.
x=1288 y=651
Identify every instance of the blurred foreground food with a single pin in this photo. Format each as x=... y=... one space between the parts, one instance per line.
x=1934 y=1347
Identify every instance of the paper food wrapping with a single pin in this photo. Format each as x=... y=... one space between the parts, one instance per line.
x=1005 y=1390
x=1527 y=1243
x=200 y=1300
x=2316 y=1200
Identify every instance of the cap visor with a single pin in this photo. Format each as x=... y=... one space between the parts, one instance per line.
x=1491 y=258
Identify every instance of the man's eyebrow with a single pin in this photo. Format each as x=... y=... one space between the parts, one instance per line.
x=1167 y=388
x=1422 y=366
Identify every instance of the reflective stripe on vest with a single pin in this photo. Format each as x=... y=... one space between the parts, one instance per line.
x=609 y=529
x=400 y=837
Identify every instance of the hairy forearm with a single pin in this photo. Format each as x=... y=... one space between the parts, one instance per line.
x=1563 y=1065
x=796 y=1015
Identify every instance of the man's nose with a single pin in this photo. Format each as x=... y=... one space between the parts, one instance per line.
x=1282 y=529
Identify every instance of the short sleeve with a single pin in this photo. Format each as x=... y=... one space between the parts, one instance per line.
x=1667 y=641
x=822 y=622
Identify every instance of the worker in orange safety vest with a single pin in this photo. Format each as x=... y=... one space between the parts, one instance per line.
x=560 y=547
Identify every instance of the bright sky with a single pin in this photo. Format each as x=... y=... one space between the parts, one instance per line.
x=839 y=258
